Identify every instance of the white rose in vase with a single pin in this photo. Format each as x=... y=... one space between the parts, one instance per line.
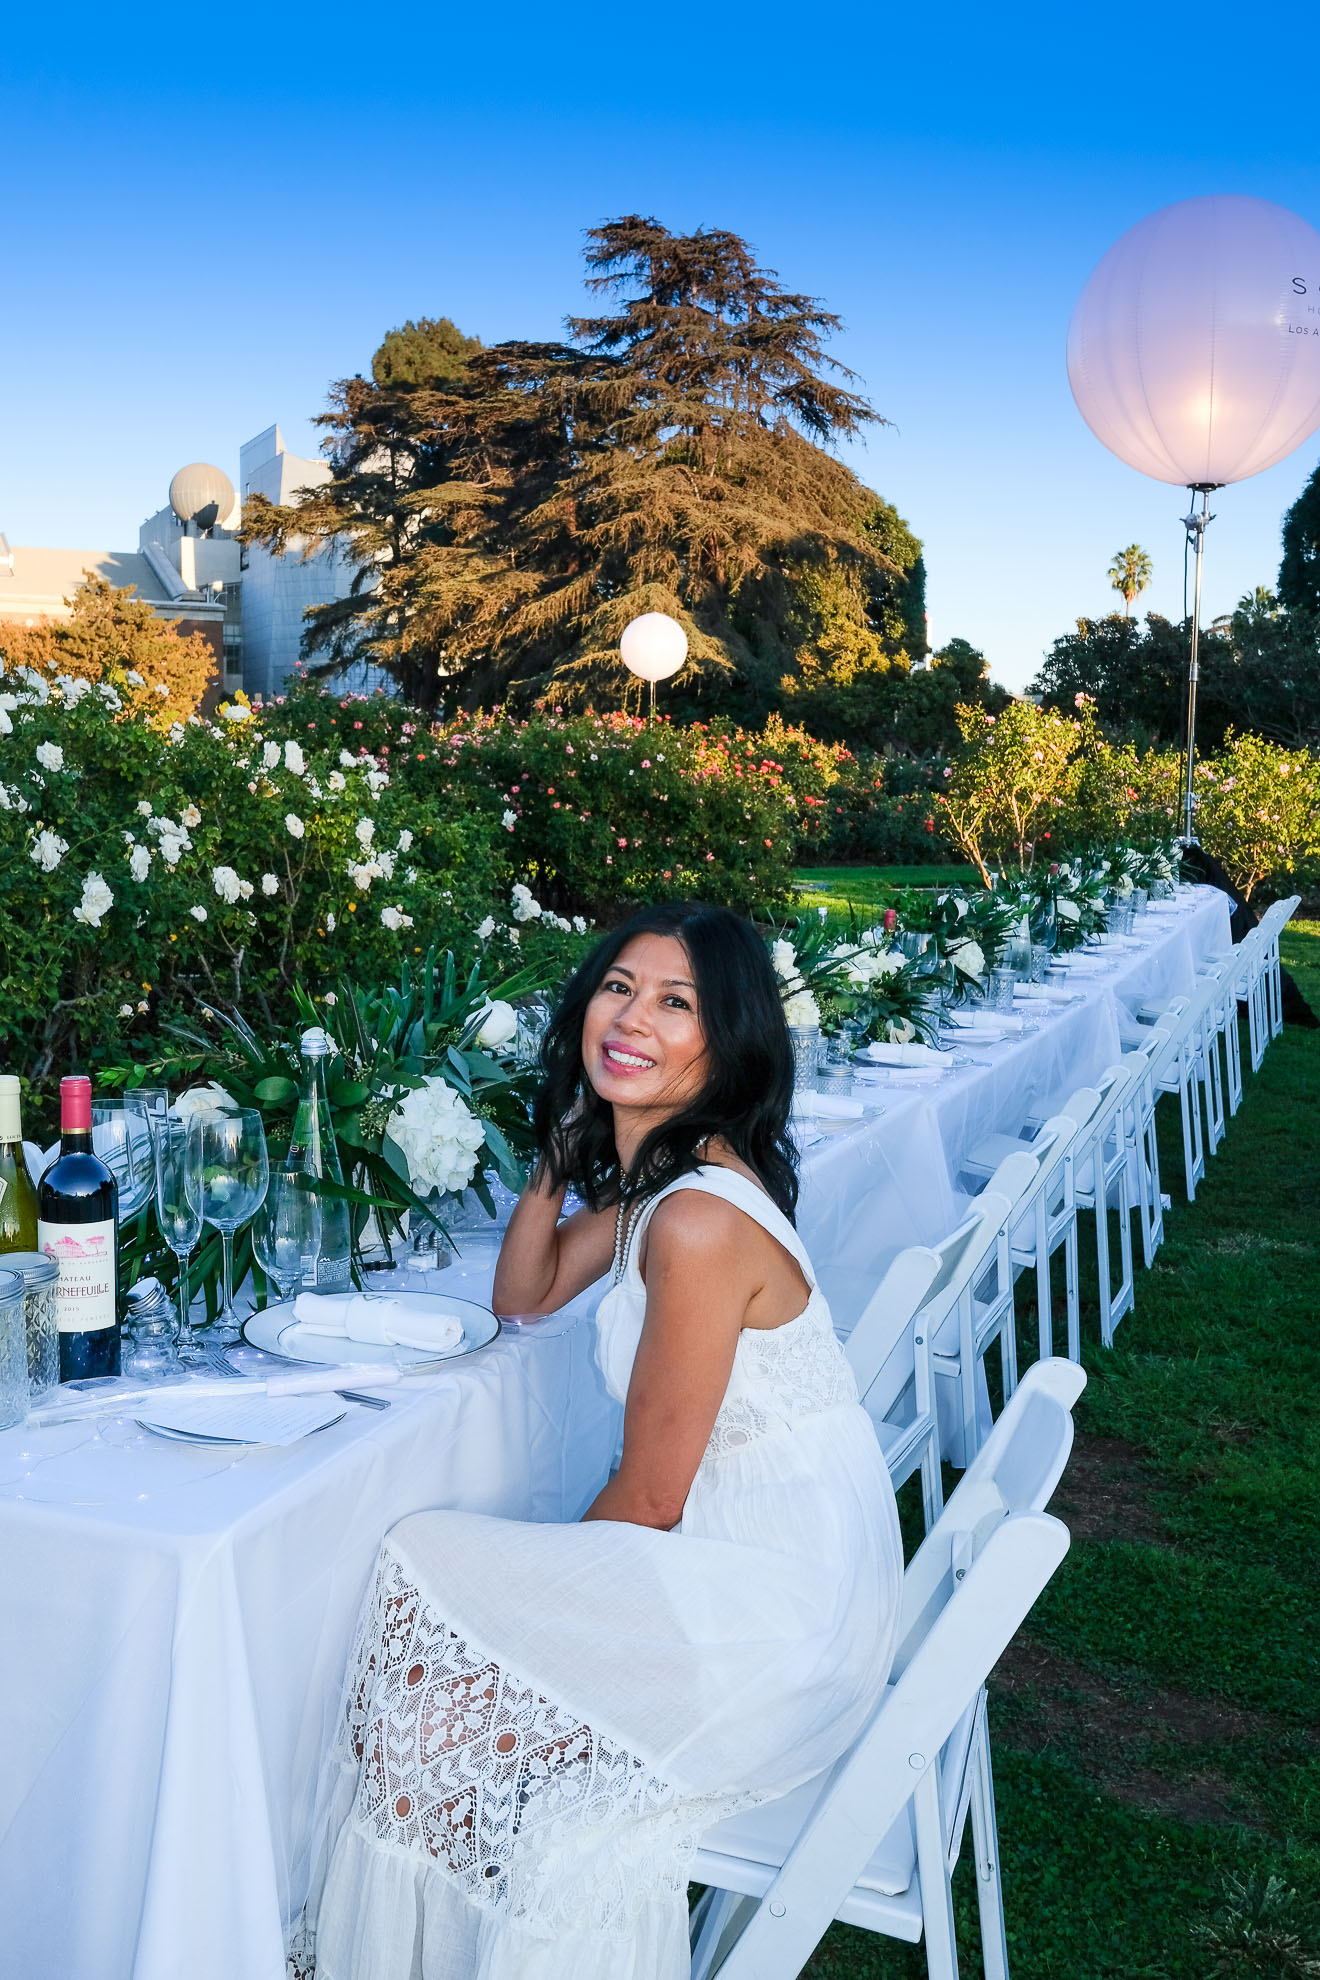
x=499 y=1023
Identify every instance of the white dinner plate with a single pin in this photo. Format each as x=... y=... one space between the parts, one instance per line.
x=222 y=1443
x=275 y=1331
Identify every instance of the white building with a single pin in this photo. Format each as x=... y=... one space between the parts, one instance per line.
x=190 y=567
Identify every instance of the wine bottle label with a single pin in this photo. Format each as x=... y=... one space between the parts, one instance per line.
x=85 y=1289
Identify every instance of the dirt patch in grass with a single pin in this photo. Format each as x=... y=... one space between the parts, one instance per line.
x=1106 y=1493
x=1055 y=1703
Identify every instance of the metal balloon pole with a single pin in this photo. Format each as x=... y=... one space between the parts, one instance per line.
x=1196 y=522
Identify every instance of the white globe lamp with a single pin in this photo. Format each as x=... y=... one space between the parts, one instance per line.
x=1194 y=355
x=653 y=647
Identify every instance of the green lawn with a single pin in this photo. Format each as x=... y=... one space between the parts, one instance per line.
x=841 y=887
x=1157 y=1725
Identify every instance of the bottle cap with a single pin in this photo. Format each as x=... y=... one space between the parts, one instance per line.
x=75 y=1104
x=315 y=1042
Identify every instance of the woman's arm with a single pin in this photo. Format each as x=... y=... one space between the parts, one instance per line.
x=544 y=1263
x=699 y=1284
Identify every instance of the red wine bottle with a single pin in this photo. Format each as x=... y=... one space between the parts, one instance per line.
x=78 y=1226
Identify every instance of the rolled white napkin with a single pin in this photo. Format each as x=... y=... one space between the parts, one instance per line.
x=885 y=1054
x=991 y=1021
x=412 y=1323
x=1044 y=993
x=827 y=1106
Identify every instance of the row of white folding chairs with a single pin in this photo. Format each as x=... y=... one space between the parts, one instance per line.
x=874 y=1841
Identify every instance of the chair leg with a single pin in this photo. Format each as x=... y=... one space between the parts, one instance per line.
x=934 y=1880
x=1102 y=1253
x=717 y=1919
x=1044 y=1298
x=932 y=1484
x=989 y=1883
x=1152 y=1159
x=1072 y=1295
x=967 y=1371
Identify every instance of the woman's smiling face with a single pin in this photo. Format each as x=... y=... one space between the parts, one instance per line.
x=642 y=1041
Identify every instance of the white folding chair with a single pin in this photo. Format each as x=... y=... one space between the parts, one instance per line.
x=874 y=1841
x=1101 y=1158
x=890 y=1348
x=1048 y=1223
x=1143 y=1141
x=890 y=1358
x=1181 y=1068
x=1275 y=920
x=984 y=1312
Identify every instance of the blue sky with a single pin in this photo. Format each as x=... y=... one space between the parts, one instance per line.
x=210 y=216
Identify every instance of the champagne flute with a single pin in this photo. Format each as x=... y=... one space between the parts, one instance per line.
x=286 y=1232
x=179 y=1211
x=233 y=1171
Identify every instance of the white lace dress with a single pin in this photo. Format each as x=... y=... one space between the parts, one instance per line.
x=540 y=1721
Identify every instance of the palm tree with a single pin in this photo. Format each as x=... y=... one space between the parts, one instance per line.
x=1130 y=574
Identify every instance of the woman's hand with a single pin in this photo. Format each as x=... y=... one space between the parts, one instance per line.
x=700 y=1281
x=544 y=1263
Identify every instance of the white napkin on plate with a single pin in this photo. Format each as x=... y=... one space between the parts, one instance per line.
x=1001 y=1022
x=885 y=1054
x=1045 y=993
x=394 y=1322
x=826 y=1106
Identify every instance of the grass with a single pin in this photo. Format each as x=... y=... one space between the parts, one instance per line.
x=1157 y=1755
x=840 y=887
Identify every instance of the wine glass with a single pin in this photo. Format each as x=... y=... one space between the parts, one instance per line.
x=179 y=1211
x=149 y=1103
x=233 y=1171
x=122 y=1139
x=286 y=1231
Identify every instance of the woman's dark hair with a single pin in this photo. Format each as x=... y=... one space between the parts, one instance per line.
x=748 y=1091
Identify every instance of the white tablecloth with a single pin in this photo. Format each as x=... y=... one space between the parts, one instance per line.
x=175 y=1623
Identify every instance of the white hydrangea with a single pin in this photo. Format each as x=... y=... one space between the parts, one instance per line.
x=97 y=901
x=294 y=759
x=48 y=849
x=139 y=862
x=959 y=903
x=801 y=1010
x=1067 y=910
x=50 y=756
x=293 y=825
x=966 y=957
x=525 y=905
x=269 y=884
x=865 y=966
x=226 y=883
x=438 y=1137
x=395 y=918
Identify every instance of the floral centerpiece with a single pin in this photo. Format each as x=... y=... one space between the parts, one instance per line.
x=862 y=987
x=424 y=1096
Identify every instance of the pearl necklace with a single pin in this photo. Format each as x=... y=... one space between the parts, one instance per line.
x=625 y=1224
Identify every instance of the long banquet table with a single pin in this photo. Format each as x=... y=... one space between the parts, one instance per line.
x=175 y=1621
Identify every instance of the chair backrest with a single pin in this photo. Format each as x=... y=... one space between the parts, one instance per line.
x=1015 y=1471
x=1079 y=1107
x=886 y=1323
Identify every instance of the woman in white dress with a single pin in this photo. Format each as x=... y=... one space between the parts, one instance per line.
x=540 y=1721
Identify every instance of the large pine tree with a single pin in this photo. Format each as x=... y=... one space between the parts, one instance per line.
x=511 y=508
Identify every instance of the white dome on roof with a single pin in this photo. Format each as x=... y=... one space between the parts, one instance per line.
x=201 y=494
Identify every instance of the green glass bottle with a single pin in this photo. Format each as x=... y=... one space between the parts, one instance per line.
x=18 y=1194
